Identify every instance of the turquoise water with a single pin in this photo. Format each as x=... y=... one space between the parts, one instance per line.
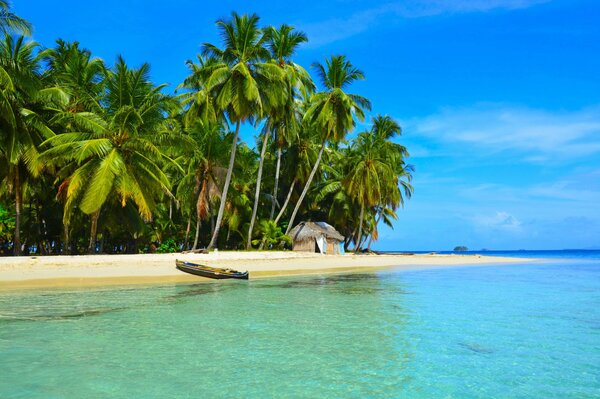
x=516 y=331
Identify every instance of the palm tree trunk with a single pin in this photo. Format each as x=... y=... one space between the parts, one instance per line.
x=93 y=232
x=215 y=236
x=360 y=225
x=187 y=233
x=347 y=243
x=287 y=201
x=18 y=206
x=198 y=221
x=373 y=232
x=257 y=191
x=40 y=240
x=276 y=188
x=67 y=249
x=310 y=178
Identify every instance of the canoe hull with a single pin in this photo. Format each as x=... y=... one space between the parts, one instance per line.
x=210 y=272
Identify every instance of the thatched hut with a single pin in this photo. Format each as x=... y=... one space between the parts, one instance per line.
x=316 y=237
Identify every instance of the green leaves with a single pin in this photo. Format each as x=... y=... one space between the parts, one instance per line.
x=101 y=184
x=333 y=111
x=109 y=139
x=11 y=23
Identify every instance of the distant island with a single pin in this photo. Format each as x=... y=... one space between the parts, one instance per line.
x=460 y=248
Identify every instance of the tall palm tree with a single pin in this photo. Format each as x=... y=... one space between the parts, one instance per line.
x=332 y=112
x=395 y=191
x=74 y=70
x=243 y=83
x=368 y=175
x=200 y=185
x=11 y=23
x=117 y=154
x=300 y=157
x=25 y=104
x=282 y=119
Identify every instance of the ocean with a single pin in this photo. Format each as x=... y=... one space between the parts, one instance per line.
x=525 y=330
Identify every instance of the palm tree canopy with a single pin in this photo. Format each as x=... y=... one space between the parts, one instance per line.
x=282 y=42
x=11 y=23
x=245 y=85
x=119 y=150
x=333 y=111
x=78 y=73
x=24 y=100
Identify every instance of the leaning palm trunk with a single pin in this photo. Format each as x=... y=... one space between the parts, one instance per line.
x=187 y=233
x=257 y=192
x=215 y=236
x=360 y=225
x=287 y=201
x=93 y=232
x=195 y=246
x=276 y=188
x=373 y=232
x=310 y=178
x=18 y=206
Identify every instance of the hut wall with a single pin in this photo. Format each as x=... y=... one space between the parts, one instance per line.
x=333 y=246
x=305 y=245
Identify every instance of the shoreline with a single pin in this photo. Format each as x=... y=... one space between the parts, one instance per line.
x=110 y=270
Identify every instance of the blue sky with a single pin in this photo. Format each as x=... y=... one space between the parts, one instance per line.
x=499 y=99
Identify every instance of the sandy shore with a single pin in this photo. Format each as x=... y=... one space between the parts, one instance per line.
x=95 y=270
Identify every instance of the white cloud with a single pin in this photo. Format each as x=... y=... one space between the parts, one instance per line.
x=331 y=30
x=500 y=221
x=538 y=134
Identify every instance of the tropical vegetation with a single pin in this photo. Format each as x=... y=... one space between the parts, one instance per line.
x=97 y=158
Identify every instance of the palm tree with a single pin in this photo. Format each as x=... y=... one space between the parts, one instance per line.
x=395 y=191
x=82 y=77
x=282 y=119
x=332 y=112
x=243 y=84
x=239 y=207
x=24 y=106
x=200 y=185
x=368 y=174
x=117 y=154
x=11 y=23
x=300 y=157
x=78 y=74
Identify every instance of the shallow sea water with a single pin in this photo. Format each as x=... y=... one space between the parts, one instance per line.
x=511 y=331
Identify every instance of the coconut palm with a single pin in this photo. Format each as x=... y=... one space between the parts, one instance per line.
x=367 y=176
x=200 y=185
x=25 y=105
x=239 y=206
x=11 y=23
x=379 y=178
x=282 y=120
x=243 y=84
x=299 y=157
x=117 y=154
x=332 y=111
x=198 y=96
x=385 y=128
x=78 y=74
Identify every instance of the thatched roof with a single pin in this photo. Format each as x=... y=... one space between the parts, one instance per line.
x=311 y=230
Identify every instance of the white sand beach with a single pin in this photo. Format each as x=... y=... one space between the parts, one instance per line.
x=97 y=270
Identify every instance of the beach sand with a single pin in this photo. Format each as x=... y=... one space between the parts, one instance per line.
x=98 y=270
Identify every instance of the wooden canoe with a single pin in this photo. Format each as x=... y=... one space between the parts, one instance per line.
x=209 y=272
